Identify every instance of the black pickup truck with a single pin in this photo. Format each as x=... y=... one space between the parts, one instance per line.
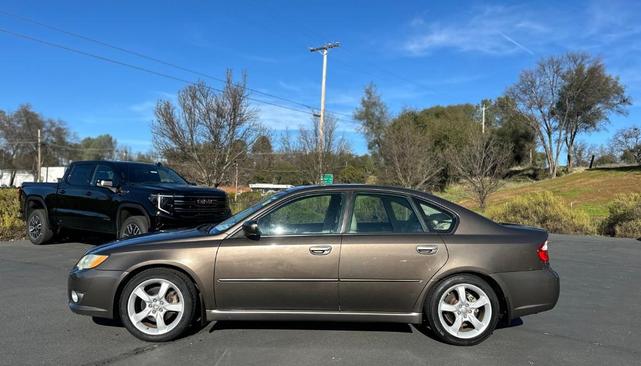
x=121 y=198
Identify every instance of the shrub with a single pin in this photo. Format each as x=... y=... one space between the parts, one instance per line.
x=244 y=200
x=11 y=226
x=543 y=210
x=624 y=217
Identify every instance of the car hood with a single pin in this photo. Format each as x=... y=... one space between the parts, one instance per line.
x=149 y=241
x=180 y=189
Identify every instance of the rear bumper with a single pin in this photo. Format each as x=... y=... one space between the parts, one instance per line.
x=96 y=291
x=529 y=292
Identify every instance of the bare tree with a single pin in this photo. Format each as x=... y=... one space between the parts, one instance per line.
x=628 y=141
x=481 y=163
x=303 y=151
x=536 y=95
x=207 y=132
x=409 y=156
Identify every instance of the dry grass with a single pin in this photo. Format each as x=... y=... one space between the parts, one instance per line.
x=589 y=191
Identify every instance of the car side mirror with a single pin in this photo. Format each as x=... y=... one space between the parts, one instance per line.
x=109 y=184
x=251 y=230
x=105 y=183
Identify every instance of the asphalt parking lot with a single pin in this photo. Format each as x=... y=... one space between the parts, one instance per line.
x=597 y=321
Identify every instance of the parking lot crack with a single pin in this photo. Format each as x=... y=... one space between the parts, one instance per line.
x=123 y=356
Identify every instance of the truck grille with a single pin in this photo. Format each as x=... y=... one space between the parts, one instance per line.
x=199 y=205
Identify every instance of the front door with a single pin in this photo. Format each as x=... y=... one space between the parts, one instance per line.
x=387 y=254
x=74 y=209
x=294 y=264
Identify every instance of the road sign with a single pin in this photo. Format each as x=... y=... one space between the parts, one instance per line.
x=327 y=178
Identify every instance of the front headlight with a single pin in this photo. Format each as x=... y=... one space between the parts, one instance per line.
x=163 y=202
x=90 y=261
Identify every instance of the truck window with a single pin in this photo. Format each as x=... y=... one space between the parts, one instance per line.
x=103 y=172
x=80 y=174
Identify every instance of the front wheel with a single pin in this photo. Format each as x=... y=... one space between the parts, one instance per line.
x=158 y=304
x=463 y=310
x=132 y=226
x=38 y=229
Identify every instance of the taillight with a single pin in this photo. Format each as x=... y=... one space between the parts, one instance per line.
x=543 y=254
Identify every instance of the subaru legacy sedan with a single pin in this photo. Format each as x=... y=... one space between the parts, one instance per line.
x=325 y=253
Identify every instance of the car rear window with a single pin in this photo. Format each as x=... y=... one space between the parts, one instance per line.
x=375 y=213
x=437 y=220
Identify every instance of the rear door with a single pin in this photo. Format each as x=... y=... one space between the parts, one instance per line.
x=294 y=264
x=387 y=254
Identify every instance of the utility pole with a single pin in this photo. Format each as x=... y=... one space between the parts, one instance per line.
x=39 y=156
x=483 y=108
x=236 y=184
x=321 y=141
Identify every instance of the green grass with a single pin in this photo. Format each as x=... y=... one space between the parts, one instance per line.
x=589 y=191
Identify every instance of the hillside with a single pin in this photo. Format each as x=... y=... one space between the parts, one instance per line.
x=587 y=190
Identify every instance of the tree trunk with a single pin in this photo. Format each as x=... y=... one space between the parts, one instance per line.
x=570 y=161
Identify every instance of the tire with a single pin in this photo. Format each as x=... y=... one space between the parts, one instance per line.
x=38 y=229
x=132 y=226
x=177 y=307
x=463 y=323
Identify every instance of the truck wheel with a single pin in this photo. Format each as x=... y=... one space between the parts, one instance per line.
x=132 y=226
x=38 y=230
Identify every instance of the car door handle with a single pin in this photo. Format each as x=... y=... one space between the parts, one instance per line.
x=88 y=193
x=427 y=249
x=320 y=249
x=62 y=191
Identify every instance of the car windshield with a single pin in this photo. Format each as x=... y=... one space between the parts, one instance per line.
x=139 y=173
x=242 y=215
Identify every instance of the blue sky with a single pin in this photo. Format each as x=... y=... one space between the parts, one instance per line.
x=419 y=54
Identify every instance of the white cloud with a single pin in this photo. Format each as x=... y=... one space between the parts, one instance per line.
x=491 y=30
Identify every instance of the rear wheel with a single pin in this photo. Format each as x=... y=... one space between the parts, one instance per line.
x=132 y=226
x=463 y=310
x=158 y=304
x=38 y=230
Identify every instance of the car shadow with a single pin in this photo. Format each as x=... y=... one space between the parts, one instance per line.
x=425 y=329
x=300 y=325
x=82 y=237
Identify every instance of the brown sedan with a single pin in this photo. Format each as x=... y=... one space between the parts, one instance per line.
x=325 y=253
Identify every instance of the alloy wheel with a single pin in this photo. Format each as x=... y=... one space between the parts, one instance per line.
x=465 y=311
x=35 y=227
x=155 y=306
x=132 y=230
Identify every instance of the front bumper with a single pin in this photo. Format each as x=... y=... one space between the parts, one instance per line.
x=163 y=221
x=95 y=290
x=529 y=292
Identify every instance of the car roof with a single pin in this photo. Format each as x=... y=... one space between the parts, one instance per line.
x=356 y=187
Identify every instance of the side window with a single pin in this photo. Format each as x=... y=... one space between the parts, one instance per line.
x=80 y=174
x=379 y=214
x=103 y=172
x=309 y=215
x=436 y=219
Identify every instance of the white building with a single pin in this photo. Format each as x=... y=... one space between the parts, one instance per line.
x=48 y=174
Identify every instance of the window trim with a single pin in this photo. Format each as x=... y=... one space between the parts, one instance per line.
x=409 y=199
x=417 y=202
x=267 y=211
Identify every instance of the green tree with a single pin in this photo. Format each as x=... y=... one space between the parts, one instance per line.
x=374 y=118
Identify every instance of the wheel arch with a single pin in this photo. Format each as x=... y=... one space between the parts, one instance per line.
x=145 y=266
x=35 y=202
x=497 y=286
x=126 y=210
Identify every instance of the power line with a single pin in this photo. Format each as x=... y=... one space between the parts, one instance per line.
x=144 y=56
x=135 y=67
x=154 y=59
